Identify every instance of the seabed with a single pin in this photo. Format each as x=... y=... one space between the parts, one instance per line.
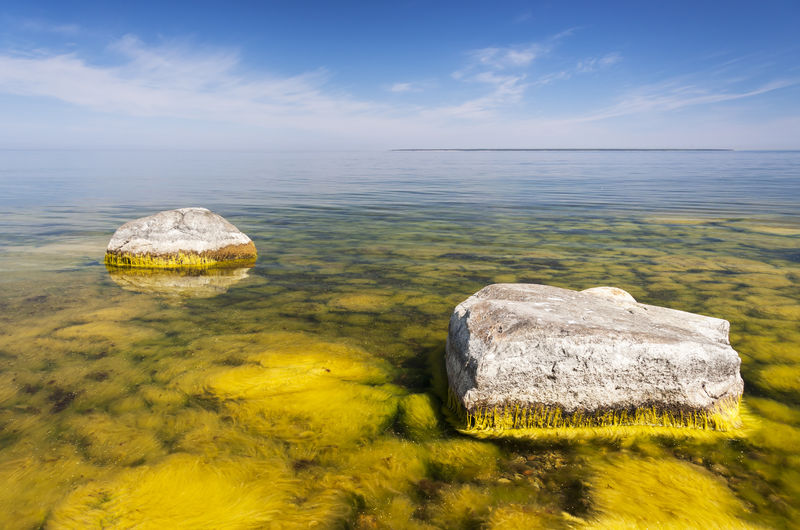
x=310 y=392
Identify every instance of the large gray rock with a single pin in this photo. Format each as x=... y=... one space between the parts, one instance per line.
x=176 y=238
x=529 y=347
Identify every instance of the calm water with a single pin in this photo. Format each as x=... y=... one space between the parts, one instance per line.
x=307 y=390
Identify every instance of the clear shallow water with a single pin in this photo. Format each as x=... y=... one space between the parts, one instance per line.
x=307 y=389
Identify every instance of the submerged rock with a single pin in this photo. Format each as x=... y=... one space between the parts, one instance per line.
x=527 y=355
x=187 y=237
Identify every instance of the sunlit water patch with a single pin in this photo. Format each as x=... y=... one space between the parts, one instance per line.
x=308 y=390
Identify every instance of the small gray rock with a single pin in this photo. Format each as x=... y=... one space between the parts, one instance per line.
x=176 y=238
x=529 y=347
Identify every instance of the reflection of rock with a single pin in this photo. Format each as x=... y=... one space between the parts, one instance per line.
x=525 y=355
x=188 y=237
x=192 y=283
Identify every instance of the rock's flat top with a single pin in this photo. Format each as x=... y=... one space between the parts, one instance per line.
x=186 y=230
x=536 y=345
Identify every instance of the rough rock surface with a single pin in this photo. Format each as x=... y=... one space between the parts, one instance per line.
x=531 y=345
x=183 y=236
x=612 y=293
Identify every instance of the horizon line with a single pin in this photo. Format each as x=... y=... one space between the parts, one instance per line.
x=558 y=149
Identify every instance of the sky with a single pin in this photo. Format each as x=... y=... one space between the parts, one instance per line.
x=297 y=75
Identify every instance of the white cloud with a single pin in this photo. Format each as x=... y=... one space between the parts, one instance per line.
x=400 y=88
x=169 y=81
x=175 y=90
x=592 y=64
x=501 y=58
x=673 y=95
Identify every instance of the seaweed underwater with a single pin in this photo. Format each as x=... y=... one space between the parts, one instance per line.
x=310 y=392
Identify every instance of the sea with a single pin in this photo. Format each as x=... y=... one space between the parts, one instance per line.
x=308 y=390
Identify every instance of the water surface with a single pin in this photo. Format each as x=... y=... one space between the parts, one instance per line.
x=307 y=390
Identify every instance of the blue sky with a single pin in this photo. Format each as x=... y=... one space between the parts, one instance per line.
x=377 y=75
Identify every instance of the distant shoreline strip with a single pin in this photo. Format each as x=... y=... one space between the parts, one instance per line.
x=557 y=150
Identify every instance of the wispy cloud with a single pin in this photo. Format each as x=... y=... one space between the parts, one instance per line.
x=674 y=95
x=181 y=80
x=593 y=64
x=497 y=58
x=401 y=87
x=43 y=26
x=410 y=86
x=508 y=72
x=584 y=66
x=172 y=81
x=506 y=57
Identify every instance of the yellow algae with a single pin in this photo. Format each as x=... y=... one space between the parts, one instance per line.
x=465 y=506
x=629 y=492
x=180 y=260
x=326 y=413
x=769 y=281
x=418 y=417
x=207 y=433
x=421 y=333
x=781 y=377
x=790 y=312
x=127 y=403
x=181 y=492
x=33 y=484
x=696 y=221
x=516 y=516
x=108 y=440
x=683 y=263
x=462 y=459
x=774 y=410
x=238 y=381
x=309 y=392
x=398 y=513
x=8 y=387
x=767 y=349
x=529 y=420
x=106 y=330
x=777 y=436
x=382 y=470
x=157 y=396
x=364 y=301
x=774 y=230
x=118 y=313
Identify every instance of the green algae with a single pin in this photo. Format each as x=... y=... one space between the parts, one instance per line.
x=311 y=394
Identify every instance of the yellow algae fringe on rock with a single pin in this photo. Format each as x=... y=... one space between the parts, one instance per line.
x=230 y=255
x=530 y=420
